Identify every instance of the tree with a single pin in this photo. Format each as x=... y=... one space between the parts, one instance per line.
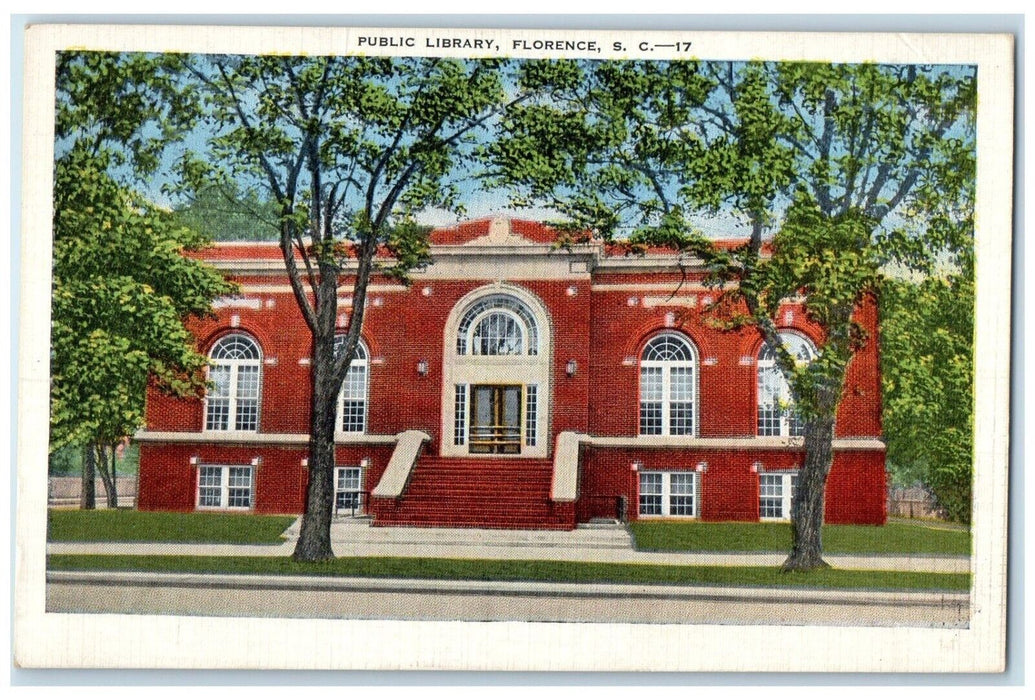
x=121 y=286
x=835 y=171
x=122 y=289
x=349 y=148
x=927 y=363
x=224 y=213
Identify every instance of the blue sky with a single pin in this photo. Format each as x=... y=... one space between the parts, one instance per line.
x=478 y=201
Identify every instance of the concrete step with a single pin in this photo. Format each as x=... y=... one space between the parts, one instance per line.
x=360 y=532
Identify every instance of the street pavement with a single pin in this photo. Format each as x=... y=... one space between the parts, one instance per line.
x=404 y=599
x=593 y=543
x=373 y=598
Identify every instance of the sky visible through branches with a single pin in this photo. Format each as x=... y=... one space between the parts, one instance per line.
x=477 y=195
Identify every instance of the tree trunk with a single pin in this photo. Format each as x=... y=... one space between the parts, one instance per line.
x=88 y=494
x=314 y=541
x=113 y=497
x=810 y=497
x=107 y=475
x=809 y=502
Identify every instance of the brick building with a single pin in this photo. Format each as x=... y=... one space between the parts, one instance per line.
x=514 y=385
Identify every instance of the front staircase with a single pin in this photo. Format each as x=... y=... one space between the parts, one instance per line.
x=509 y=494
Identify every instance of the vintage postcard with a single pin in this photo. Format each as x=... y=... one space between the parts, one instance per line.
x=356 y=348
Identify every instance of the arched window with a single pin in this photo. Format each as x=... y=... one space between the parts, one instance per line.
x=776 y=414
x=667 y=386
x=235 y=371
x=352 y=400
x=497 y=324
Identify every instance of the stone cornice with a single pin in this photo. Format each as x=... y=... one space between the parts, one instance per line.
x=241 y=438
x=747 y=443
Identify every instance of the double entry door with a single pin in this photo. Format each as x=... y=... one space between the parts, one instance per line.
x=496 y=418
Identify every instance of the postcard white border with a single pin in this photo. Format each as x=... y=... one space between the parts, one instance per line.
x=86 y=641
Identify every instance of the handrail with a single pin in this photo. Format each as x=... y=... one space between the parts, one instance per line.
x=400 y=466
x=565 y=485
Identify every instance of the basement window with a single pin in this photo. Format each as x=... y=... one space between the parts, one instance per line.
x=668 y=494
x=348 y=486
x=775 y=494
x=225 y=487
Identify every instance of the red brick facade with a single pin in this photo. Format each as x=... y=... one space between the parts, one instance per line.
x=593 y=313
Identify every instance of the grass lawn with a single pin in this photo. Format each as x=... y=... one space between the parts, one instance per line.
x=518 y=570
x=893 y=538
x=136 y=526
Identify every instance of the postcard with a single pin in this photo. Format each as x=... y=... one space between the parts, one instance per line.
x=398 y=349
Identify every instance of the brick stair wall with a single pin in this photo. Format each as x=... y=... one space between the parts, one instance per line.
x=511 y=494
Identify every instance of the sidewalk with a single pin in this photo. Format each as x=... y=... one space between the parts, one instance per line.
x=590 y=543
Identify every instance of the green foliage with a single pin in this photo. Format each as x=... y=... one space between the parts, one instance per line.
x=927 y=365
x=122 y=107
x=347 y=148
x=140 y=526
x=828 y=262
x=847 y=169
x=68 y=460
x=891 y=539
x=122 y=288
x=518 y=570
x=65 y=461
x=350 y=149
x=223 y=213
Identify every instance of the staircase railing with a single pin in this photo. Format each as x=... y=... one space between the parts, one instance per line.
x=565 y=485
x=400 y=467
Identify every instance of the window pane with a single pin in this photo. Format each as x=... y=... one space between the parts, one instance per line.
x=235 y=347
x=681 y=505
x=650 y=384
x=667 y=348
x=209 y=483
x=347 y=491
x=219 y=375
x=531 y=414
x=682 y=482
x=460 y=418
x=248 y=382
x=247 y=414
x=776 y=415
x=650 y=418
x=355 y=385
x=681 y=418
x=795 y=426
x=681 y=383
x=353 y=416
x=353 y=397
x=240 y=477
x=650 y=482
x=208 y=496
x=217 y=414
x=650 y=493
x=239 y=494
x=495 y=337
x=498 y=334
x=239 y=498
x=770 y=503
x=682 y=492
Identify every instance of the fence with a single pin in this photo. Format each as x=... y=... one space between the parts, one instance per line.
x=913 y=502
x=64 y=492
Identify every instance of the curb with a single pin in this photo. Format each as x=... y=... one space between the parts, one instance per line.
x=934 y=598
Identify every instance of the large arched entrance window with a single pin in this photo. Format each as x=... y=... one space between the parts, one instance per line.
x=496 y=370
x=498 y=324
x=235 y=372
x=668 y=386
x=776 y=413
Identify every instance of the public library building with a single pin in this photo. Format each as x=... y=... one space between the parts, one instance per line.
x=513 y=384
